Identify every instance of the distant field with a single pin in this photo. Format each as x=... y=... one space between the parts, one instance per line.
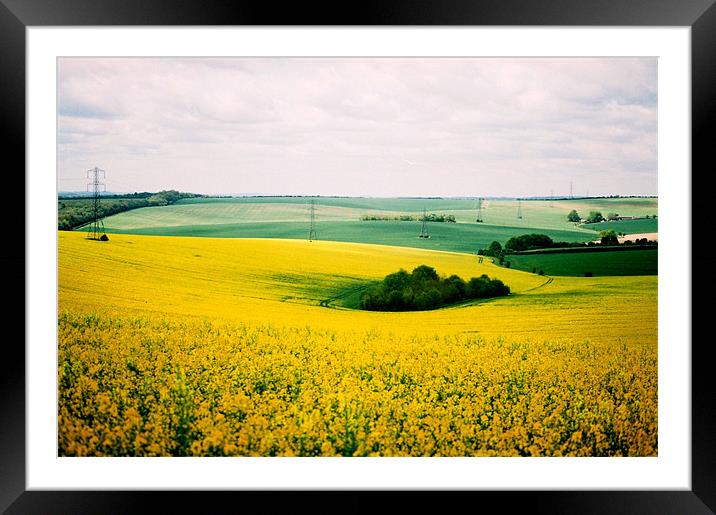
x=219 y=211
x=443 y=236
x=632 y=262
x=338 y=219
x=537 y=213
x=627 y=226
x=543 y=214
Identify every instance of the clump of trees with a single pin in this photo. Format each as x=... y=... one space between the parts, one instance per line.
x=522 y=243
x=401 y=218
x=642 y=241
x=528 y=242
x=424 y=289
x=493 y=250
x=432 y=217
x=608 y=238
x=594 y=217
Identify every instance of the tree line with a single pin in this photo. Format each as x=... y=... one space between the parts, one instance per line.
x=595 y=217
x=76 y=212
x=523 y=243
x=432 y=217
x=528 y=242
x=424 y=289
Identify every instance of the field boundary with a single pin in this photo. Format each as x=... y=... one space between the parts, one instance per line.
x=575 y=250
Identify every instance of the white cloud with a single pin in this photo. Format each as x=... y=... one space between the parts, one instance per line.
x=361 y=126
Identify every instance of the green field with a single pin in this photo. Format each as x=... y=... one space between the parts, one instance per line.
x=535 y=213
x=644 y=225
x=631 y=262
x=222 y=211
x=338 y=219
x=543 y=214
x=443 y=236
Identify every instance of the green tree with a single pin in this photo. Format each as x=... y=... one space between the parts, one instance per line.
x=494 y=250
x=594 y=217
x=428 y=299
x=395 y=300
x=397 y=280
x=424 y=289
x=609 y=238
x=573 y=216
x=477 y=287
x=458 y=284
x=527 y=242
x=424 y=273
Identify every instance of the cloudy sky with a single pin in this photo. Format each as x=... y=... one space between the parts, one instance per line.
x=376 y=127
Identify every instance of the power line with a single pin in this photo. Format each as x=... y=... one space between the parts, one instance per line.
x=519 y=209
x=115 y=181
x=479 y=210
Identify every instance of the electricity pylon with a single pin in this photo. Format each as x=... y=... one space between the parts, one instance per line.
x=312 y=229
x=479 y=210
x=424 y=229
x=95 y=229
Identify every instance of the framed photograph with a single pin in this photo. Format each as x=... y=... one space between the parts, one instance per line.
x=417 y=249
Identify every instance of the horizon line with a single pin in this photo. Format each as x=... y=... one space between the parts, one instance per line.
x=276 y=195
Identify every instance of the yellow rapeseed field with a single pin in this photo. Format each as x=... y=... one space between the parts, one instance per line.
x=199 y=346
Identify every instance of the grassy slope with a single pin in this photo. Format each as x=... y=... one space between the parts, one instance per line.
x=284 y=282
x=627 y=226
x=443 y=236
x=636 y=262
x=216 y=212
x=535 y=214
x=552 y=215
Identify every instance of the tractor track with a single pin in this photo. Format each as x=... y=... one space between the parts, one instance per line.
x=326 y=303
x=548 y=281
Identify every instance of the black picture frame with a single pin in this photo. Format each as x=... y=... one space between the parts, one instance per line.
x=16 y=15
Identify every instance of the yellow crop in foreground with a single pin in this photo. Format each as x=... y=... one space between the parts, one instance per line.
x=142 y=387
x=198 y=346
